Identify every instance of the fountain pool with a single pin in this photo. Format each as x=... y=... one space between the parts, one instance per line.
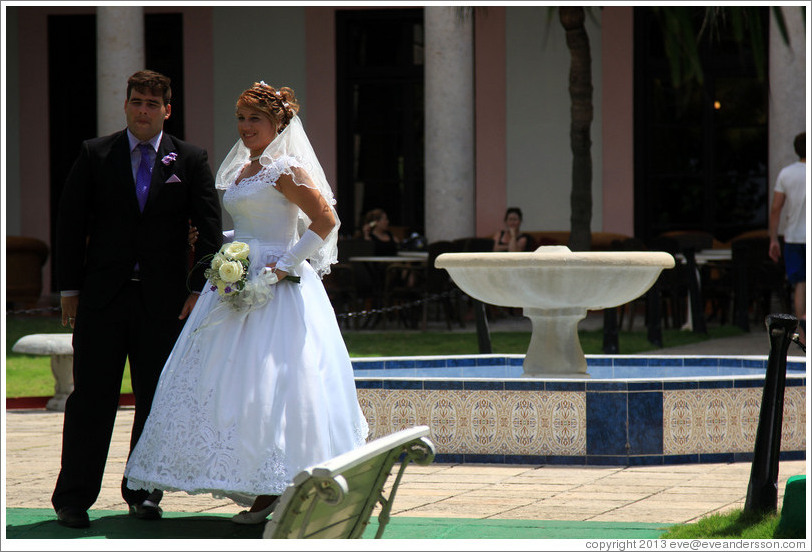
x=633 y=410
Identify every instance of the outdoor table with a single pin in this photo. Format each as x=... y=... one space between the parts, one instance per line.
x=415 y=254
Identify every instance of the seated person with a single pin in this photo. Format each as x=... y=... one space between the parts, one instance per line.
x=376 y=229
x=510 y=238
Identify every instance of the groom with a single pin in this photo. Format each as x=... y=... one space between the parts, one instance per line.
x=122 y=262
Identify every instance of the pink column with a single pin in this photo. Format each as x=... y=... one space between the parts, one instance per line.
x=490 y=111
x=35 y=174
x=198 y=77
x=320 y=111
x=617 y=37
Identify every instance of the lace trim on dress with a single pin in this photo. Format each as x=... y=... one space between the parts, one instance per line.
x=203 y=458
x=267 y=176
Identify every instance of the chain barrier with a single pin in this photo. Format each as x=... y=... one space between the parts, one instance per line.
x=395 y=308
x=342 y=316
x=37 y=310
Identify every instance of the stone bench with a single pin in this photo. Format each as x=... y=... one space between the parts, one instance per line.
x=60 y=348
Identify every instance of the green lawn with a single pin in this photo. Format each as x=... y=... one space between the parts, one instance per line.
x=30 y=376
x=737 y=524
x=411 y=343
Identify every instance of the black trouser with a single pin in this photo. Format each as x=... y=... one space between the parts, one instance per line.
x=102 y=340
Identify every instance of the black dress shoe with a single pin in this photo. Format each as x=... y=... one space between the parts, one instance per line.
x=145 y=511
x=70 y=516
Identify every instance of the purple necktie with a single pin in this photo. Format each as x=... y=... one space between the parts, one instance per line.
x=143 y=176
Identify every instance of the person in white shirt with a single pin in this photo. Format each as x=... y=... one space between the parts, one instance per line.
x=789 y=212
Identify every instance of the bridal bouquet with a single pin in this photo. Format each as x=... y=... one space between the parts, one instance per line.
x=229 y=277
x=228 y=274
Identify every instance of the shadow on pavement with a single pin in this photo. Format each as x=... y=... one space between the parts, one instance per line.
x=27 y=523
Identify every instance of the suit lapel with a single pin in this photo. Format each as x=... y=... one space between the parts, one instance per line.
x=123 y=168
x=160 y=171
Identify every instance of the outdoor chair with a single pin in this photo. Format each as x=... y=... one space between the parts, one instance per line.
x=438 y=283
x=335 y=500
x=402 y=289
x=341 y=286
x=473 y=244
x=348 y=285
x=673 y=283
x=756 y=280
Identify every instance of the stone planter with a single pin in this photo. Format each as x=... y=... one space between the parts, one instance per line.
x=25 y=257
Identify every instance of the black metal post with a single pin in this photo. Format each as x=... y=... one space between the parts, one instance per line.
x=653 y=314
x=697 y=304
x=741 y=298
x=483 y=334
x=762 y=490
x=611 y=345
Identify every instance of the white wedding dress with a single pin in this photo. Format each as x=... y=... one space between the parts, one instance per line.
x=246 y=400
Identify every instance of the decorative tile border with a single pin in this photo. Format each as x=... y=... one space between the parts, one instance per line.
x=589 y=422
x=483 y=421
x=709 y=421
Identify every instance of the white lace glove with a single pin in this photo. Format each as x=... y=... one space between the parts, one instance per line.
x=304 y=248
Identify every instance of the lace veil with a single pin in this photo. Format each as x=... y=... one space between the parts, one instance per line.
x=291 y=142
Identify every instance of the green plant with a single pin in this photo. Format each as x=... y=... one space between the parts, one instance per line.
x=737 y=524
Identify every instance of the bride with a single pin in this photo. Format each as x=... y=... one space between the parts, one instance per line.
x=252 y=395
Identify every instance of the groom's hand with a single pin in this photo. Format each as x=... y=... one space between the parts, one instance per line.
x=188 y=306
x=70 y=304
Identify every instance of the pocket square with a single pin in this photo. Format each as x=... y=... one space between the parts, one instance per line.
x=173 y=178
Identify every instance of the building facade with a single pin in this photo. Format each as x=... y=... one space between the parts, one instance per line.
x=444 y=117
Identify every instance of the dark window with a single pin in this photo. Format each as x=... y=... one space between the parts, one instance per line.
x=163 y=37
x=700 y=150
x=380 y=115
x=72 y=82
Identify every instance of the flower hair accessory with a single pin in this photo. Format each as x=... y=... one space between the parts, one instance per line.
x=169 y=158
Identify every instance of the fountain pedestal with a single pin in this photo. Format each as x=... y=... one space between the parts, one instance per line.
x=555 y=287
x=555 y=349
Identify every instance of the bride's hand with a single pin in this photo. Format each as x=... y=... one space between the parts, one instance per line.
x=279 y=273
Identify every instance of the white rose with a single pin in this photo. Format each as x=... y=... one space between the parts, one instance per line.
x=237 y=250
x=217 y=261
x=231 y=271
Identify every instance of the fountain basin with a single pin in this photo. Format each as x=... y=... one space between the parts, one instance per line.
x=636 y=410
x=555 y=287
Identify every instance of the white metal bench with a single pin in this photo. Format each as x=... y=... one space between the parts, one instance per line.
x=335 y=500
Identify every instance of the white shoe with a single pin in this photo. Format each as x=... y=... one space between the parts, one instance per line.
x=247 y=517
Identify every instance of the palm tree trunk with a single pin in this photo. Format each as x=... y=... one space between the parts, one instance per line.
x=572 y=19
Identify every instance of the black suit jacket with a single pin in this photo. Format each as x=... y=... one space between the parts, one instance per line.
x=101 y=233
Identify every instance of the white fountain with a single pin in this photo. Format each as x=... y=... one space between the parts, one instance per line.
x=555 y=287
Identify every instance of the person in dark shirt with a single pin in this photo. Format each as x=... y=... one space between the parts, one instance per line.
x=376 y=229
x=510 y=238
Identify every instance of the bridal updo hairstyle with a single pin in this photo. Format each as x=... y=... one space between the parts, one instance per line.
x=278 y=104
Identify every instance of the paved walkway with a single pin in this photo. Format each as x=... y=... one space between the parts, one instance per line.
x=657 y=494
